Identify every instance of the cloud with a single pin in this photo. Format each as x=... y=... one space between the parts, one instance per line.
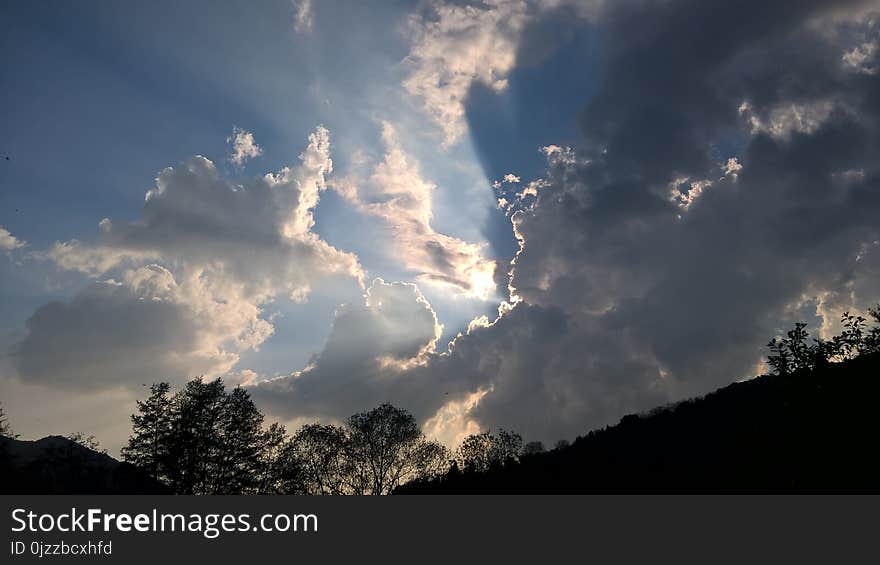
x=397 y=193
x=684 y=191
x=8 y=242
x=243 y=146
x=365 y=360
x=783 y=120
x=188 y=279
x=861 y=57
x=303 y=18
x=456 y=45
x=256 y=236
x=726 y=184
x=623 y=297
x=731 y=168
x=140 y=329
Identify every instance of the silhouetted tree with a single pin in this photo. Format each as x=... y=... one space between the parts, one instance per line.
x=793 y=353
x=561 y=444
x=483 y=451
x=374 y=453
x=872 y=340
x=475 y=452
x=205 y=440
x=850 y=343
x=321 y=453
x=151 y=428
x=5 y=427
x=279 y=471
x=195 y=438
x=90 y=442
x=507 y=447
x=532 y=448
x=238 y=457
x=386 y=447
x=6 y=459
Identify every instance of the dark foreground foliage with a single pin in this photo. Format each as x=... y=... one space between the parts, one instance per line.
x=812 y=430
x=204 y=439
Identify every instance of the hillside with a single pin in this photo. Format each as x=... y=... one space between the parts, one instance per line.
x=57 y=465
x=813 y=431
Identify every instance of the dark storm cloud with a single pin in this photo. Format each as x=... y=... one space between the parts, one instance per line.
x=726 y=185
x=658 y=296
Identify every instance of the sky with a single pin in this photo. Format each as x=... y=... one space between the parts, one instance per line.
x=537 y=215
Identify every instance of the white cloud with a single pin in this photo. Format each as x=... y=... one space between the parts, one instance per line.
x=365 y=360
x=732 y=168
x=243 y=146
x=685 y=197
x=8 y=242
x=456 y=46
x=94 y=260
x=303 y=16
x=399 y=195
x=454 y=421
x=782 y=120
x=218 y=252
x=256 y=236
x=861 y=58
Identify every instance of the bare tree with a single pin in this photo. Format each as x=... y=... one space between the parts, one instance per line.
x=533 y=448
x=561 y=444
x=388 y=448
x=483 y=451
x=321 y=453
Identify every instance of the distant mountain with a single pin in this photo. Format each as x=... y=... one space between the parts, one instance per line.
x=57 y=465
x=810 y=431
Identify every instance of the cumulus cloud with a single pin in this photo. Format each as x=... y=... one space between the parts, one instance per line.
x=397 y=193
x=365 y=360
x=142 y=328
x=628 y=300
x=216 y=253
x=256 y=236
x=8 y=242
x=622 y=297
x=243 y=146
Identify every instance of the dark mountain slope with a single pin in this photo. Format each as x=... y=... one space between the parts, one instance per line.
x=57 y=465
x=807 y=431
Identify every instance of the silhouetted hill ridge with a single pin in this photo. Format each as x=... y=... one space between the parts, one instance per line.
x=805 y=431
x=58 y=465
